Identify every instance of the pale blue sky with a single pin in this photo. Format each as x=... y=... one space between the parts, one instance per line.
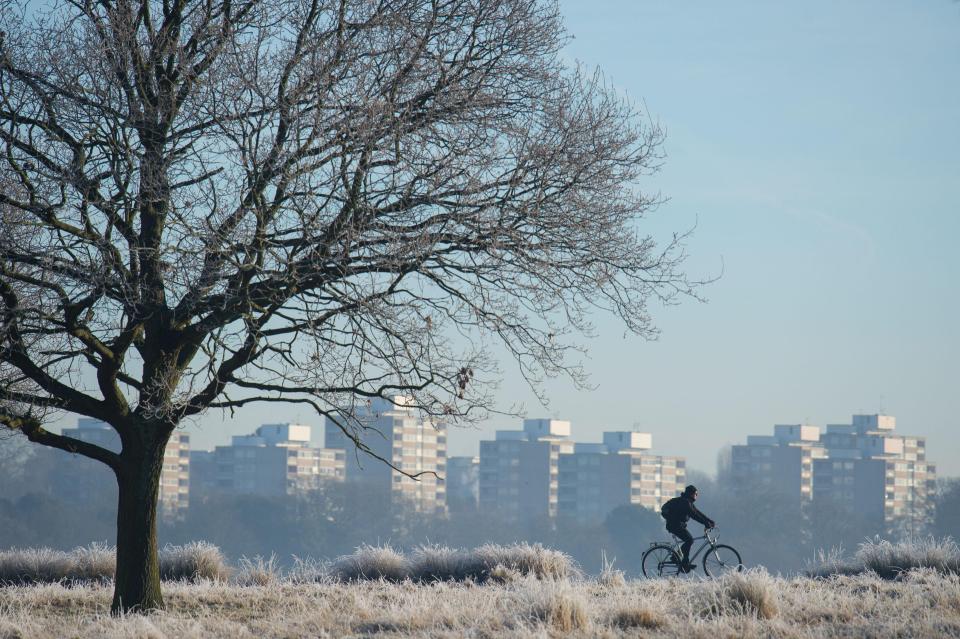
x=816 y=144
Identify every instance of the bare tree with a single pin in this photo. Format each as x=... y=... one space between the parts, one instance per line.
x=210 y=204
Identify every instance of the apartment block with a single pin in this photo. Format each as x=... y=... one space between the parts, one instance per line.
x=174 y=496
x=203 y=475
x=519 y=470
x=463 y=484
x=781 y=463
x=277 y=459
x=596 y=478
x=394 y=431
x=83 y=476
x=876 y=473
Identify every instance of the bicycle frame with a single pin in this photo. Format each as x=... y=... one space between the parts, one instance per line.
x=710 y=542
x=655 y=563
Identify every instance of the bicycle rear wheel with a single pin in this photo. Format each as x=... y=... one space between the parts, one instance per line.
x=660 y=561
x=720 y=560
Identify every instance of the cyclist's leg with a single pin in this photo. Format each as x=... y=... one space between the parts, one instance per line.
x=681 y=531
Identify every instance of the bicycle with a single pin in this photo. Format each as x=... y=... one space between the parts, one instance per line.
x=664 y=560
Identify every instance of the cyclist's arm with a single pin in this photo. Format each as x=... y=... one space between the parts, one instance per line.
x=700 y=517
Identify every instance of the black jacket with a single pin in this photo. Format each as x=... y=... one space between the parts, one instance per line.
x=680 y=509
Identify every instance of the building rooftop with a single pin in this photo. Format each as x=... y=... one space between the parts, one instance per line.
x=546 y=427
x=624 y=440
x=275 y=435
x=590 y=448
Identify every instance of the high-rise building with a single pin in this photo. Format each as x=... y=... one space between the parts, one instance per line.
x=781 y=463
x=174 y=496
x=597 y=478
x=881 y=476
x=863 y=467
x=394 y=431
x=82 y=476
x=463 y=484
x=519 y=470
x=203 y=475
x=275 y=460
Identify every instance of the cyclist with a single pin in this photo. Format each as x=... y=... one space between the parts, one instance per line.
x=677 y=511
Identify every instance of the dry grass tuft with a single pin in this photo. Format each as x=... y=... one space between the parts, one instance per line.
x=752 y=593
x=527 y=559
x=258 y=571
x=561 y=608
x=438 y=563
x=503 y=575
x=828 y=563
x=501 y=564
x=610 y=576
x=193 y=562
x=371 y=562
x=308 y=570
x=612 y=579
x=97 y=563
x=201 y=560
x=627 y=618
x=891 y=560
x=34 y=565
x=23 y=566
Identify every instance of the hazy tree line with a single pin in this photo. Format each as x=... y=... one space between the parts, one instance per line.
x=768 y=528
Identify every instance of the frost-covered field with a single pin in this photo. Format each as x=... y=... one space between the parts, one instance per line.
x=921 y=603
x=883 y=590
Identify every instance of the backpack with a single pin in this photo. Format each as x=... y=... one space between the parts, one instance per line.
x=667 y=508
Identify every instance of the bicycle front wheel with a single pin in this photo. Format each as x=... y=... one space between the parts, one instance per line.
x=720 y=560
x=660 y=561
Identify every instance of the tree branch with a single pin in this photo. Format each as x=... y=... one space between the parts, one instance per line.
x=35 y=432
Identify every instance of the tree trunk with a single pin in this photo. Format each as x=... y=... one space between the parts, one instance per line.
x=137 y=581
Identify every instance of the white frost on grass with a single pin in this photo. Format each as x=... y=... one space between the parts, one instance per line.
x=891 y=559
x=257 y=571
x=924 y=603
x=97 y=562
x=192 y=562
x=430 y=563
x=371 y=563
